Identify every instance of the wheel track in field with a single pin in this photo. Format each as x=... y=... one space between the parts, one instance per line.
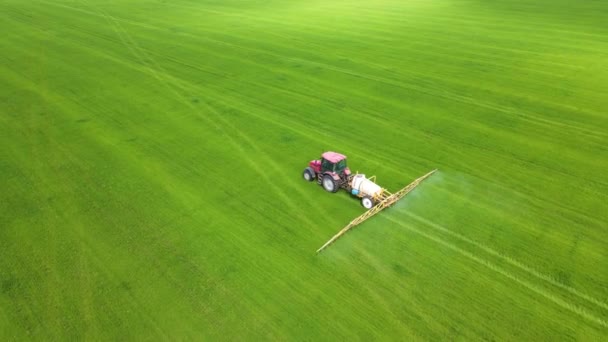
x=486 y=249
x=513 y=262
x=209 y=39
x=505 y=273
x=381 y=33
x=517 y=264
x=527 y=117
x=493 y=252
x=489 y=58
x=458 y=19
x=263 y=66
x=368 y=116
x=463 y=19
x=274 y=88
x=136 y=23
x=422 y=76
x=274 y=121
x=508 y=110
x=574 y=217
x=52 y=98
x=145 y=69
x=428 y=88
x=156 y=237
x=510 y=261
x=109 y=273
x=163 y=76
x=293 y=123
x=162 y=72
x=280 y=21
x=532 y=287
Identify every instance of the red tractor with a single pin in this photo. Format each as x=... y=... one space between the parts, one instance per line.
x=330 y=171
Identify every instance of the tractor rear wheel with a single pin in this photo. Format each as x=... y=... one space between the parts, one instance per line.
x=308 y=174
x=329 y=183
x=367 y=202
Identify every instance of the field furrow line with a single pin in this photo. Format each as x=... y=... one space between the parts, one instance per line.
x=415 y=50
x=52 y=98
x=383 y=13
x=154 y=73
x=367 y=116
x=243 y=98
x=510 y=260
x=449 y=52
x=446 y=93
x=164 y=77
x=367 y=38
x=154 y=151
x=528 y=28
x=313 y=139
x=533 y=288
x=429 y=90
x=575 y=216
x=380 y=32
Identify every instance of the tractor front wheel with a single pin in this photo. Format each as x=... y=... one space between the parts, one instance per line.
x=308 y=174
x=367 y=202
x=329 y=183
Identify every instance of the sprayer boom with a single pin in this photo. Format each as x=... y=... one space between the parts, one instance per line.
x=385 y=203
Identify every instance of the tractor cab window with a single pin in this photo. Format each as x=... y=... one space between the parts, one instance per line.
x=326 y=165
x=340 y=166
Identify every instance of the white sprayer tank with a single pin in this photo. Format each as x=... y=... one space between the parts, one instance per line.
x=364 y=187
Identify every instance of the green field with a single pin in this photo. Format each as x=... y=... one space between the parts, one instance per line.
x=151 y=154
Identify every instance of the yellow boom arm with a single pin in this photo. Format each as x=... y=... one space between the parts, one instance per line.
x=387 y=202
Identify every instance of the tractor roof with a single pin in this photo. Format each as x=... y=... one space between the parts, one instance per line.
x=333 y=157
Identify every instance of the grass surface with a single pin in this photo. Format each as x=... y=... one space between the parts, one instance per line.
x=151 y=156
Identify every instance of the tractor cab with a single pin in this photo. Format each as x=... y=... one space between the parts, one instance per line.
x=333 y=162
x=330 y=171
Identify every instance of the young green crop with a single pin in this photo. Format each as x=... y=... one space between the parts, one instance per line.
x=151 y=156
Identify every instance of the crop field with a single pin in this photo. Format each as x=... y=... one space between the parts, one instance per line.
x=151 y=157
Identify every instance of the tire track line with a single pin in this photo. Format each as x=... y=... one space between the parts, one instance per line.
x=380 y=33
x=442 y=93
x=226 y=104
x=163 y=76
x=51 y=97
x=510 y=261
x=424 y=42
x=460 y=19
x=428 y=75
x=533 y=288
x=365 y=115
